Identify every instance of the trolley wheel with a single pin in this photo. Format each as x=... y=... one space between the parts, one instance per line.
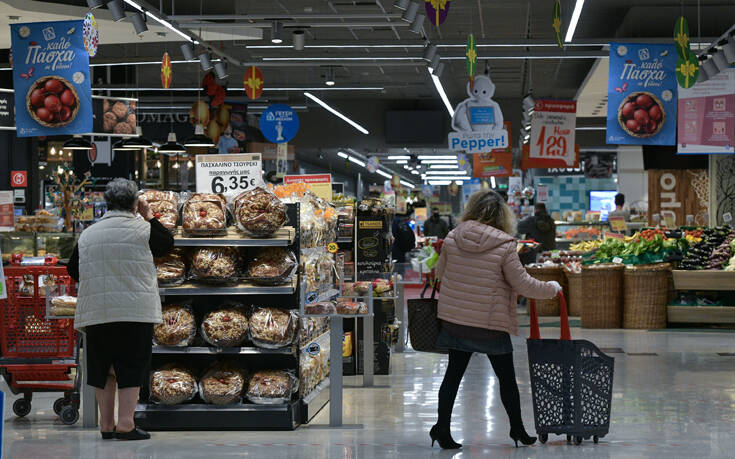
x=21 y=407
x=59 y=405
x=569 y=438
x=596 y=439
x=69 y=415
x=577 y=440
x=543 y=438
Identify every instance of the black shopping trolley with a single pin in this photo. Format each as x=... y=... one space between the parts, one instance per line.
x=571 y=383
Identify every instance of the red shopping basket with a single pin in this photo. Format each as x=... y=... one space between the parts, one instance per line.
x=571 y=383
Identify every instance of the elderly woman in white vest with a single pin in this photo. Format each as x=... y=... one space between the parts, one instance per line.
x=118 y=303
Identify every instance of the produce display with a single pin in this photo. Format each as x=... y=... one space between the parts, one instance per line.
x=700 y=255
x=586 y=246
x=272 y=266
x=586 y=232
x=271 y=387
x=648 y=246
x=178 y=327
x=225 y=327
x=173 y=384
x=259 y=212
x=222 y=384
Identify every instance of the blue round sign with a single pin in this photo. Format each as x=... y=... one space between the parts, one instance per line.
x=279 y=123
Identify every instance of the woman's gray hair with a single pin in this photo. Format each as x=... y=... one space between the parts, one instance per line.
x=121 y=194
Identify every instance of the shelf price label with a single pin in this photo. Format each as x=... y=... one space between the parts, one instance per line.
x=552 y=131
x=228 y=174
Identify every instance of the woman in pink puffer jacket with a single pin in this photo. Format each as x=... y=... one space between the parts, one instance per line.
x=481 y=277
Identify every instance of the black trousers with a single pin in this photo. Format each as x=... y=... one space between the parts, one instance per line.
x=503 y=367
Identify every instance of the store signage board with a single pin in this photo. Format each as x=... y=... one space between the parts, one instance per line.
x=617 y=223
x=706 y=123
x=7 y=110
x=552 y=131
x=497 y=163
x=478 y=120
x=319 y=184
x=228 y=174
x=281 y=159
x=18 y=179
x=371 y=248
x=642 y=94
x=673 y=194
x=279 y=123
x=53 y=95
x=7 y=213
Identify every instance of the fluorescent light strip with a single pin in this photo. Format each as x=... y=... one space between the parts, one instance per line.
x=456 y=179
x=575 y=19
x=342 y=154
x=437 y=157
x=492 y=181
x=442 y=166
x=402 y=161
x=399 y=157
x=384 y=174
x=440 y=90
x=408 y=184
x=439 y=161
x=430 y=172
x=336 y=113
x=161 y=21
x=352 y=159
x=440 y=182
x=321 y=88
x=366 y=58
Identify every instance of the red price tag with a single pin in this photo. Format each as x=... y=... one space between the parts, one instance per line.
x=552 y=146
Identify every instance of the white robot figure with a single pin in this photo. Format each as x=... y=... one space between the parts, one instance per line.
x=480 y=112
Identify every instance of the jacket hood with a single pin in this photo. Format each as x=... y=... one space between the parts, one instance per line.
x=473 y=236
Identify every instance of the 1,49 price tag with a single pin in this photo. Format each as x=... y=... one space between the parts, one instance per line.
x=228 y=174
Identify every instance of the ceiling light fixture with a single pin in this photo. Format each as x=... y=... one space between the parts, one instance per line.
x=415 y=172
x=407 y=184
x=492 y=181
x=710 y=68
x=394 y=157
x=352 y=159
x=575 y=19
x=729 y=49
x=417 y=23
x=430 y=51
x=384 y=174
x=401 y=4
x=342 y=154
x=454 y=172
x=336 y=113
x=442 y=94
x=410 y=14
x=438 y=70
x=77 y=143
x=188 y=51
x=138 y=142
x=439 y=161
x=435 y=60
x=53 y=151
x=276 y=32
x=171 y=146
x=220 y=70
x=117 y=10
x=176 y=163
x=298 y=39
x=720 y=60
x=402 y=161
x=205 y=62
x=120 y=145
x=440 y=182
x=443 y=166
x=199 y=139
x=329 y=77
x=139 y=23
x=161 y=21
x=452 y=157
x=92 y=4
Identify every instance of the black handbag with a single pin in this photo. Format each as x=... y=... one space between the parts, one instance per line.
x=423 y=325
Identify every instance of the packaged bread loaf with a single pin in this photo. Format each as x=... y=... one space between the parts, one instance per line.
x=259 y=212
x=215 y=264
x=272 y=266
x=178 y=327
x=222 y=384
x=346 y=306
x=272 y=328
x=322 y=307
x=225 y=327
x=64 y=305
x=172 y=384
x=171 y=268
x=164 y=205
x=204 y=215
x=270 y=387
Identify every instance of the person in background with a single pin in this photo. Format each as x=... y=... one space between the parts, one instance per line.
x=118 y=303
x=540 y=227
x=227 y=143
x=435 y=226
x=404 y=239
x=620 y=211
x=481 y=277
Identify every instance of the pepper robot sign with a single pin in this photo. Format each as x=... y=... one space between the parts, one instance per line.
x=478 y=121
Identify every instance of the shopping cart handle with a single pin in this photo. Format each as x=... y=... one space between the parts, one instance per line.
x=565 y=333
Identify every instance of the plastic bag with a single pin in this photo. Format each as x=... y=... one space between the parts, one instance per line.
x=172 y=384
x=322 y=307
x=164 y=205
x=215 y=264
x=205 y=215
x=225 y=327
x=272 y=328
x=259 y=212
x=348 y=307
x=170 y=269
x=63 y=305
x=178 y=327
x=269 y=387
x=272 y=266
x=222 y=384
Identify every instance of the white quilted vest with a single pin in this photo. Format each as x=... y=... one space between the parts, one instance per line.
x=117 y=278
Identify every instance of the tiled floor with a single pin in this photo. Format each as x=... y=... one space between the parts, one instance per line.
x=676 y=399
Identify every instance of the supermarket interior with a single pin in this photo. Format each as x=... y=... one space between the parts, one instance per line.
x=293 y=228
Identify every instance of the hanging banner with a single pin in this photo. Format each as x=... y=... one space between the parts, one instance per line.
x=674 y=194
x=706 y=121
x=470 y=55
x=166 y=72
x=492 y=165
x=642 y=87
x=319 y=184
x=90 y=36
x=552 y=130
x=534 y=163
x=253 y=82
x=478 y=120
x=681 y=37
x=279 y=123
x=556 y=23
x=229 y=174
x=281 y=160
x=437 y=11
x=51 y=79
x=114 y=116
x=372 y=164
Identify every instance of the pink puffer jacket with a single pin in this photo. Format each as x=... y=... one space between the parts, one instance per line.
x=481 y=277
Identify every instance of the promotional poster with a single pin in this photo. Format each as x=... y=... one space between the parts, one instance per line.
x=553 y=130
x=478 y=120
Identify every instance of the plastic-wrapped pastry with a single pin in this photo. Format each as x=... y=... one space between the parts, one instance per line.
x=171 y=269
x=215 y=264
x=164 y=205
x=272 y=265
x=205 y=215
x=222 y=384
x=172 y=384
x=270 y=387
x=272 y=328
x=64 y=305
x=323 y=307
x=178 y=327
x=259 y=212
x=226 y=327
x=345 y=306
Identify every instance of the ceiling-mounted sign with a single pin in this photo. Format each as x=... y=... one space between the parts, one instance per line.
x=166 y=71
x=228 y=174
x=372 y=164
x=642 y=90
x=253 y=82
x=470 y=54
x=437 y=10
x=478 y=120
x=687 y=69
x=51 y=79
x=90 y=35
x=553 y=130
x=681 y=37
x=497 y=163
x=556 y=23
x=319 y=184
x=279 y=123
x=706 y=113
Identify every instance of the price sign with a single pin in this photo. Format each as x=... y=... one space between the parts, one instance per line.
x=228 y=174
x=618 y=223
x=552 y=130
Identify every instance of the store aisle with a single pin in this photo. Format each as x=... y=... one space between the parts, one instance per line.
x=693 y=416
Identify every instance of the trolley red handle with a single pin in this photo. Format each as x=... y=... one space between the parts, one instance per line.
x=565 y=333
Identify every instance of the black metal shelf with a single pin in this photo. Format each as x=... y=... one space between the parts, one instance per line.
x=283 y=238
x=221 y=350
x=241 y=288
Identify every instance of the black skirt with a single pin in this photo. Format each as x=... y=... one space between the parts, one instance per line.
x=473 y=339
x=124 y=346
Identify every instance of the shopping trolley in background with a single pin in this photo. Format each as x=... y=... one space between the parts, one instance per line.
x=38 y=353
x=571 y=383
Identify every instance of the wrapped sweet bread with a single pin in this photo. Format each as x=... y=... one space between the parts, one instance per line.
x=272 y=328
x=170 y=269
x=270 y=387
x=259 y=212
x=164 y=205
x=172 y=384
x=322 y=307
x=64 y=305
x=178 y=327
x=271 y=266
x=345 y=306
x=222 y=384
x=226 y=327
x=215 y=264
x=205 y=215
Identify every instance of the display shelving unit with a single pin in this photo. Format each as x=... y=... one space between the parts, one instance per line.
x=705 y=280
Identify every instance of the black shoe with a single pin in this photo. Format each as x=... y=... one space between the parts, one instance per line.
x=519 y=434
x=444 y=437
x=108 y=435
x=135 y=434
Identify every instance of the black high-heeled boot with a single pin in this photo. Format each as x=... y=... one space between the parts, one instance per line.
x=518 y=433
x=444 y=437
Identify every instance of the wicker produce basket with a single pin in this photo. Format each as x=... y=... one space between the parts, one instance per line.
x=602 y=296
x=646 y=296
x=547 y=273
x=575 y=298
